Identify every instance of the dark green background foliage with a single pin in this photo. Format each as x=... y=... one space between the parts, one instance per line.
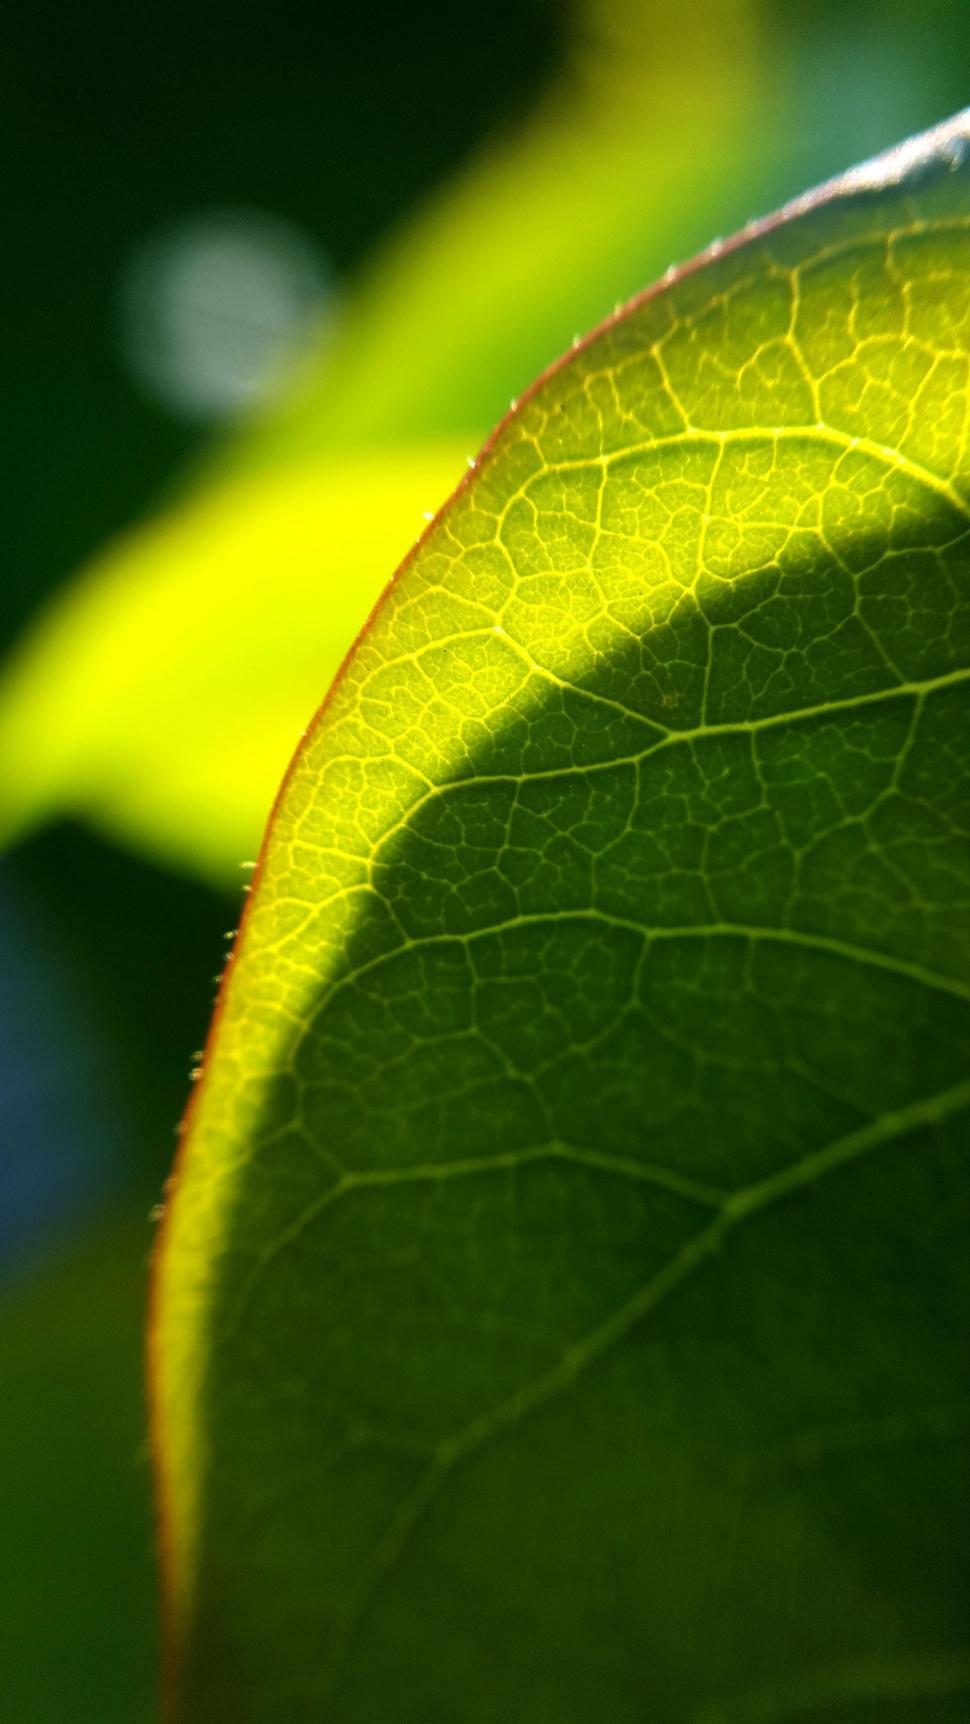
x=570 y=1249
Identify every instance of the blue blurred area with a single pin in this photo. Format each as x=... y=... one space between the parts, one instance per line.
x=60 y=1137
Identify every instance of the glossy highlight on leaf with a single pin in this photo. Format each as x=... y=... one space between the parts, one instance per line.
x=563 y=1301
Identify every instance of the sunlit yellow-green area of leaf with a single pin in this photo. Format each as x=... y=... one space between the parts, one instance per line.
x=563 y=1307
x=162 y=694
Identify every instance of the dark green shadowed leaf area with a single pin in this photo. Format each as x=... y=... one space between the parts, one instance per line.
x=563 y=1309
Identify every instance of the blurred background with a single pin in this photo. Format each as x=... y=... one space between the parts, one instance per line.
x=272 y=275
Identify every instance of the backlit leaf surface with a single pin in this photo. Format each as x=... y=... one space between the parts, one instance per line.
x=563 y=1307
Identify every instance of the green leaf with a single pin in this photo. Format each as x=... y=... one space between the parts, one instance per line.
x=563 y=1307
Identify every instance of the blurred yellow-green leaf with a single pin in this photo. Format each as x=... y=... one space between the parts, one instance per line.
x=660 y=133
x=163 y=694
